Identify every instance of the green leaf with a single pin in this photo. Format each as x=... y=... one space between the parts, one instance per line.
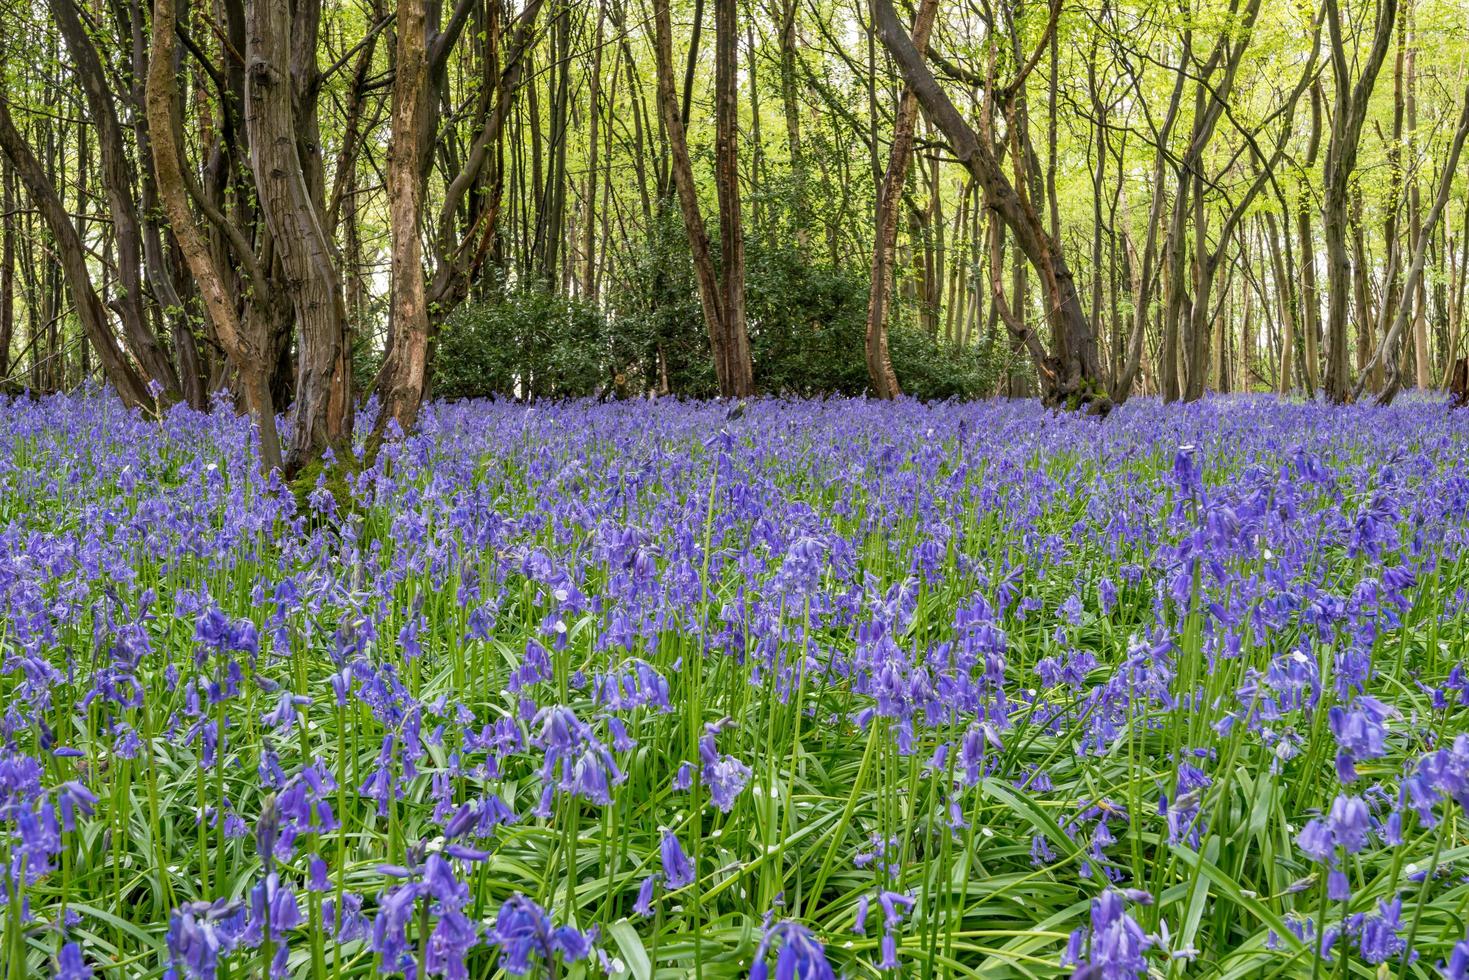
x=630 y=945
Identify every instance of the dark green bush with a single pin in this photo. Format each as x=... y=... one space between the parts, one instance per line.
x=526 y=343
x=807 y=322
x=659 y=341
x=931 y=369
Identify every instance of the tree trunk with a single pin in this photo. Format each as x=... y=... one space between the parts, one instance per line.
x=405 y=367
x=118 y=180
x=741 y=378
x=1458 y=279
x=1122 y=388
x=1351 y=102
x=594 y=110
x=245 y=343
x=1362 y=290
x=72 y=256
x=1288 y=325
x=1423 y=365
x=788 y=95
x=289 y=205
x=1075 y=377
x=1386 y=352
x=7 y=266
x=711 y=292
x=880 y=374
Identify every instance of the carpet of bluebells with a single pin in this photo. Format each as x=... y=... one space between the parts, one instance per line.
x=804 y=690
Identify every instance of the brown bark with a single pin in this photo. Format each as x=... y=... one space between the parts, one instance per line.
x=7 y=266
x=1247 y=339
x=788 y=96
x=712 y=294
x=1362 y=290
x=1455 y=295
x=1187 y=316
x=1073 y=374
x=458 y=256
x=880 y=374
x=405 y=367
x=1341 y=161
x=279 y=74
x=71 y=252
x=459 y=253
x=1423 y=369
x=118 y=180
x=1288 y=326
x=594 y=118
x=1142 y=307
x=245 y=343
x=1386 y=353
x=345 y=165
x=739 y=380
x=1207 y=261
x=1310 y=300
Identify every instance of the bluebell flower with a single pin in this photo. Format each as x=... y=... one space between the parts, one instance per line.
x=678 y=871
x=526 y=936
x=1113 y=942
x=1457 y=968
x=199 y=933
x=1360 y=733
x=643 y=906
x=1379 y=938
x=74 y=798
x=1350 y=822
x=70 y=965
x=317 y=880
x=798 y=954
x=346 y=924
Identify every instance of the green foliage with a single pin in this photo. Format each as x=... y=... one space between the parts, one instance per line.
x=660 y=338
x=334 y=477
x=528 y=342
x=930 y=369
x=807 y=320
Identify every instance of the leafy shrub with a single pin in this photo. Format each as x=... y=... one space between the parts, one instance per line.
x=807 y=321
x=659 y=340
x=931 y=369
x=527 y=343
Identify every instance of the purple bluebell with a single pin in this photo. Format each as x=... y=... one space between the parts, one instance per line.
x=798 y=954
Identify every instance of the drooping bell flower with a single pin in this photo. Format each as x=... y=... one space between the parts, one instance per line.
x=678 y=871
x=798 y=954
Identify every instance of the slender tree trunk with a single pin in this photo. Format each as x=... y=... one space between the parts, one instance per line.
x=246 y=343
x=880 y=376
x=712 y=293
x=1386 y=352
x=1310 y=319
x=1142 y=303
x=788 y=95
x=1288 y=325
x=72 y=262
x=7 y=266
x=1076 y=377
x=118 y=180
x=1391 y=238
x=1458 y=279
x=741 y=379
x=405 y=367
x=1362 y=290
x=1423 y=366
x=594 y=110
x=1341 y=161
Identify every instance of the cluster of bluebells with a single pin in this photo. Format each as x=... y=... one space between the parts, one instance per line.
x=689 y=656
